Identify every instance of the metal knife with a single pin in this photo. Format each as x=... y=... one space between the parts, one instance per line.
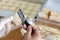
x=23 y=19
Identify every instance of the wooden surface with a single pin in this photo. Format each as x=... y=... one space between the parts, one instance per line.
x=49 y=23
x=13 y=35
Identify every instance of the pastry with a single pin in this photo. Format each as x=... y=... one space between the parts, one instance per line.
x=45 y=10
x=42 y=14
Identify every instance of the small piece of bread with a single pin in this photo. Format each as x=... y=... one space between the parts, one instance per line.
x=43 y=15
x=45 y=10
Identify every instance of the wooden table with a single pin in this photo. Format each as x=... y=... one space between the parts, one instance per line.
x=13 y=35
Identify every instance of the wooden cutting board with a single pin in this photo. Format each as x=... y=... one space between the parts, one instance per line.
x=13 y=35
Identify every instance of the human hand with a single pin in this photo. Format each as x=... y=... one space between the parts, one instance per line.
x=32 y=36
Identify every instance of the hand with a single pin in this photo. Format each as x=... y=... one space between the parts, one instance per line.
x=32 y=36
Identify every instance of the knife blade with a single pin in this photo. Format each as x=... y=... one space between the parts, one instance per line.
x=23 y=19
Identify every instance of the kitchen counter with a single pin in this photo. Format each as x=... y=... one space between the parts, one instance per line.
x=13 y=35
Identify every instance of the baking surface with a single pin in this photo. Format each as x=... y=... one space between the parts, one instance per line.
x=13 y=35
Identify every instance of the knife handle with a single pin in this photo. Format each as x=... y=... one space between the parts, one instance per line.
x=27 y=24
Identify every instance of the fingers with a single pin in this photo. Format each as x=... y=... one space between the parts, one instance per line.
x=36 y=31
x=29 y=30
x=24 y=27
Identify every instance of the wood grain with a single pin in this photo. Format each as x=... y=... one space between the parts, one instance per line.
x=13 y=35
x=50 y=23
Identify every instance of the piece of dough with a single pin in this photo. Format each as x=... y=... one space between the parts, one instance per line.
x=43 y=15
x=45 y=10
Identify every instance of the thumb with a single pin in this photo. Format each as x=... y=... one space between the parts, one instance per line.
x=29 y=30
